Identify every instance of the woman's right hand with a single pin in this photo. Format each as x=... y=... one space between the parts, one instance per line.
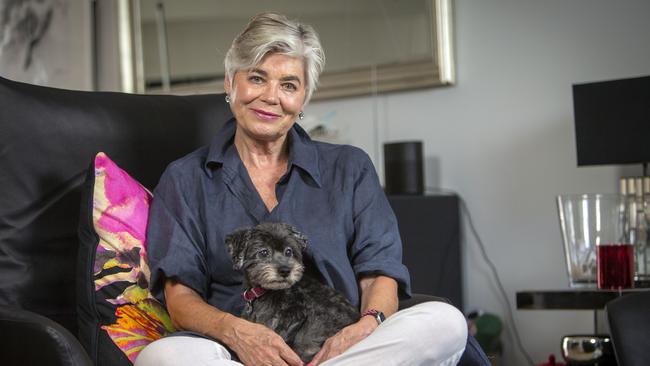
x=257 y=345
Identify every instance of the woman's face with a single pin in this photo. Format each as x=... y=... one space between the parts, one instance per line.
x=267 y=99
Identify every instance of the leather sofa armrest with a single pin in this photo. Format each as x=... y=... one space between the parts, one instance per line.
x=419 y=298
x=31 y=339
x=628 y=317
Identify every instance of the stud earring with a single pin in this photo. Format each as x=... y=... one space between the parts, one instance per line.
x=227 y=98
x=301 y=115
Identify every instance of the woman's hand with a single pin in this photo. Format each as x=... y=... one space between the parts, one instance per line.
x=377 y=292
x=257 y=345
x=344 y=339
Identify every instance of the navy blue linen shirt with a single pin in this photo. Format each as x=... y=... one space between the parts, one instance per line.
x=330 y=192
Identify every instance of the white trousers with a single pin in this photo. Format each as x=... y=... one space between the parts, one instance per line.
x=430 y=333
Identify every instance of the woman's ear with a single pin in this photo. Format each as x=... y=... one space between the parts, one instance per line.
x=227 y=87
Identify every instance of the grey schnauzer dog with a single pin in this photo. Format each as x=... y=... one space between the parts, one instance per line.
x=282 y=295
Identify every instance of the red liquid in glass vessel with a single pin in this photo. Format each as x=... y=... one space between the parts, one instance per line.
x=615 y=266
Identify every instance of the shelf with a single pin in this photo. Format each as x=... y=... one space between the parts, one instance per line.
x=572 y=299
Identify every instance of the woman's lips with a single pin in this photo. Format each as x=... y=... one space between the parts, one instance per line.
x=264 y=115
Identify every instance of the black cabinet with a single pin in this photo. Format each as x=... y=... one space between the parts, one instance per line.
x=431 y=235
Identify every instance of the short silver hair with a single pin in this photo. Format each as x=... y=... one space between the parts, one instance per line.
x=274 y=33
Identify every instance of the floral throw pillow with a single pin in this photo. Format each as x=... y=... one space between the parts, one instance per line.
x=120 y=209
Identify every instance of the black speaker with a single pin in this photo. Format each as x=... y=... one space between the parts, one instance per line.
x=403 y=168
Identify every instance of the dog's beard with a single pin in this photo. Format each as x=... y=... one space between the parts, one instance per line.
x=267 y=277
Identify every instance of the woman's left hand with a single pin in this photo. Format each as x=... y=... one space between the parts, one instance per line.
x=344 y=339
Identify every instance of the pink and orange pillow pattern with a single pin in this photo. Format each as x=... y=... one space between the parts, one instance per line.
x=120 y=213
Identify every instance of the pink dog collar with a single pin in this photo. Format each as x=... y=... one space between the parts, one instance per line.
x=253 y=293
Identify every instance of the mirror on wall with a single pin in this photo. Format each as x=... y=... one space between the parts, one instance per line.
x=371 y=46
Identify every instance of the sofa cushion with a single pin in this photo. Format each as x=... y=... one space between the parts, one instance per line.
x=117 y=311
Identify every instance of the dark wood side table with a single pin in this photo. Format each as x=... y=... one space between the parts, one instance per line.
x=571 y=299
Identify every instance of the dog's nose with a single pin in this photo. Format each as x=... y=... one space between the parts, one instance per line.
x=284 y=271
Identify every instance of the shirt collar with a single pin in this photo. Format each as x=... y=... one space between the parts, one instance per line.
x=302 y=150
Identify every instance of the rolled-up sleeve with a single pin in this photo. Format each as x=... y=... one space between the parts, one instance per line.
x=377 y=247
x=175 y=243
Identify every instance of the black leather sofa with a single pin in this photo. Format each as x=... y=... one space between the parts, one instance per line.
x=48 y=138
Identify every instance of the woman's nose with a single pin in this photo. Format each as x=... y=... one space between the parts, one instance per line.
x=270 y=94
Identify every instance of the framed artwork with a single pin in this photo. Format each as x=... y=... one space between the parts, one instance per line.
x=371 y=45
x=48 y=42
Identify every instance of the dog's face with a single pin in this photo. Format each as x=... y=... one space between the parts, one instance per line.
x=270 y=254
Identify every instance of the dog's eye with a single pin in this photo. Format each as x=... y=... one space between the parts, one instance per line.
x=288 y=252
x=264 y=253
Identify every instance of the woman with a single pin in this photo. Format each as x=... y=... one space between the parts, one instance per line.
x=263 y=167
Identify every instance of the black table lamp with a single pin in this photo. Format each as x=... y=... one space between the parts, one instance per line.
x=612 y=122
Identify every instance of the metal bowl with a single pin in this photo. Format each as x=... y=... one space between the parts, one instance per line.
x=588 y=350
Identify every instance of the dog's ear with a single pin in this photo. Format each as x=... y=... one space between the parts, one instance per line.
x=236 y=244
x=300 y=237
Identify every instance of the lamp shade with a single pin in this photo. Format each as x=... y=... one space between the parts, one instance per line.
x=612 y=121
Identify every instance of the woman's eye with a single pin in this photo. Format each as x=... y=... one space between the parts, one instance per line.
x=288 y=252
x=264 y=253
x=289 y=87
x=255 y=79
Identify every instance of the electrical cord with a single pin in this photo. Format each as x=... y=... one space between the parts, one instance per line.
x=490 y=264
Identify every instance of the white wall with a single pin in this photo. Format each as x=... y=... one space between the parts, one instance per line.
x=108 y=56
x=503 y=138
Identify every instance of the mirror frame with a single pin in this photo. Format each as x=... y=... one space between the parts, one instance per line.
x=367 y=80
